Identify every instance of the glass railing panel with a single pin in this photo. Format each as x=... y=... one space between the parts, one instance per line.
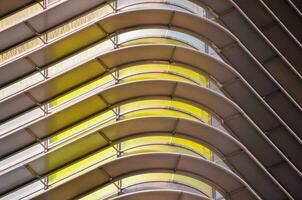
x=195 y=183
x=206 y=152
x=92 y=16
x=102 y=193
x=99 y=158
x=168 y=177
x=58 y=67
x=84 y=56
x=184 y=5
x=80 y=57
x=129 y=110
x=107 y=115
x=77 y=23
x=180 y=38
x=155 y=41
x=111 y=190
x=21 y=85
x=159 y=149
x=20 y=120
x=129 y=75
x=101 y=82
x=81 y=90
x=194 y=110
x=21 y=156
x=140 y=108
x=102 y=156
x=83 y=125
x=155 y=76
x=181 y=142
x=19 y=49
x=158 y=113
x=153 y=5
x=57 y=32
x=189 y=5
x=88 y=87
x=25 y=191
x=170 y=68
x=199 y=113
x=194 y=41
x=21 y=15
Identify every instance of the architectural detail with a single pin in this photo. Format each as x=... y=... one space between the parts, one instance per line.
x=140 y=99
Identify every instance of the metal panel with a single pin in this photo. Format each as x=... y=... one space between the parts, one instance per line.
x=288 y=16
x=7 y=7
x=44 y=21
x=69 y=153
x=276 y=165
x=182 y=90
x=67 y=81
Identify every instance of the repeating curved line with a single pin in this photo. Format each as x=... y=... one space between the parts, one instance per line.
x=147 y=182
x=244 y=49
x=151 y=192
x=51 y=108
x=119 y=46
x=272 y=110
x=135 y=99
x=104 y=3
x=220 y=188
x=284 y=157
x=196 y=139
x=100 y=90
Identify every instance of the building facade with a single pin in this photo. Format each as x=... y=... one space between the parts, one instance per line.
x=150 y=99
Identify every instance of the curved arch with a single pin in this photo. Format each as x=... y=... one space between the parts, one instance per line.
x=47 y=161
x=185 y=38
x=271 y=126
x=279 y=130
x=221 y=104
x=215 y=68
x=166 y=162
x=164 y=88
x=157 y=181
x=187 y=6
x=199 y=132
x=227 y=39
x=276 y=120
